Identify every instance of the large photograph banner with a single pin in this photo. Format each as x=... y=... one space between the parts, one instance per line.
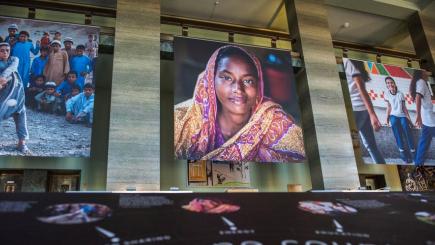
x=393 y=111
x=46 y=87
x=235 y=103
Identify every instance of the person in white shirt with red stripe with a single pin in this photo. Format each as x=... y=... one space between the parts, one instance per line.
x=398 y=118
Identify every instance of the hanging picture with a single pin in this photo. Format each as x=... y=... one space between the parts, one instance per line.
x=235 y=103
x=393 y=112
x=218 y=174
x=233 y=174
x=197 y=171
x=47 y=79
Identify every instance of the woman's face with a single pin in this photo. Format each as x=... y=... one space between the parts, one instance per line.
x=236 y=85
x=391 y=85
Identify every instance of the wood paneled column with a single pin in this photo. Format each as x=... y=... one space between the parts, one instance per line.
x=422 y=29
x=134 y=134
x=326 y=129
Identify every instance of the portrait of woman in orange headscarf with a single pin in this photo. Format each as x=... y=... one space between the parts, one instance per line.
x=230 y=119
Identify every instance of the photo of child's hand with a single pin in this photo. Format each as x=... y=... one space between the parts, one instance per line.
x=69 y=116
x=418 y=122
x=375 y=123
x=411 y=125
x=3 y=82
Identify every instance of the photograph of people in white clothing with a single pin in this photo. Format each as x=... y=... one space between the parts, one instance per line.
x=393 y=109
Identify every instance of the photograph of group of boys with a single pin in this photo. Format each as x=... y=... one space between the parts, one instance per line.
x=393 y=111
x=235 y=103
x=46 y=87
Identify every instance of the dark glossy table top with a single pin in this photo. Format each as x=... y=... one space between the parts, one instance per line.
x=215 y=218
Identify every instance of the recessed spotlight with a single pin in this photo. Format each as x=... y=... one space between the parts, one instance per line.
x=346 y=24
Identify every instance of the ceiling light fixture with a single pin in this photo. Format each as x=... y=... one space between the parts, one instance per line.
x=345 y=25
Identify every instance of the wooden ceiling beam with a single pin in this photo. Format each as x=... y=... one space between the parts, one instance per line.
x=63 y=6
x=374 y=50
x=224 y=27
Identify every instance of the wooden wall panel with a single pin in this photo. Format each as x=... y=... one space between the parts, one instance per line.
x=326 y=128
x=134 y=134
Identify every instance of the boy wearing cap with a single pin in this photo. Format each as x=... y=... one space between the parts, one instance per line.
x=22 y=50
x=45 y=100
x=81 y=64
x=57 y=65
x=12 y=96
x=80 y=108
x=13 y=35
x=68 y=43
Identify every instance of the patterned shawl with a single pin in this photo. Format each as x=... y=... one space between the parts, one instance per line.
x=270 y=135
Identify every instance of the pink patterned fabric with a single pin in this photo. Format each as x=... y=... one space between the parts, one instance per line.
x=270 y=135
